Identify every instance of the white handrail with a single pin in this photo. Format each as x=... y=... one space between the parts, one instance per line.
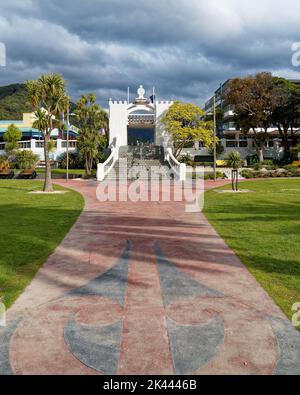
x=178 y=168
x=103 y=169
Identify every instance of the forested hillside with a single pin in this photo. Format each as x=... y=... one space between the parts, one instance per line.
x=13 y=102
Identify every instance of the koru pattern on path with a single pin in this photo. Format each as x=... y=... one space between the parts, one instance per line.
x=148 y=317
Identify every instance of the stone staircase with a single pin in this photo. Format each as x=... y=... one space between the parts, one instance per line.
x=141 y=163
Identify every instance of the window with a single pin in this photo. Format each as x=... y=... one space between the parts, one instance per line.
x=231 y=144
x=269 y=144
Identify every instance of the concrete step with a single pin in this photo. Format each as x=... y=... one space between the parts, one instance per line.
x=131 y=159
x=133 y=173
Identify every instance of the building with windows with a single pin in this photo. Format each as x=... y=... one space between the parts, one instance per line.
x=32 y=138
x=232 y=138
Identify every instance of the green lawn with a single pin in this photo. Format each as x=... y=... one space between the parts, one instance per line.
x=263 y=228
x=80 y=172
x=31 y=227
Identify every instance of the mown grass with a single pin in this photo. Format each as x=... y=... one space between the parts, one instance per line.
x=263 y=228
x=31 y=227
x=64 y=171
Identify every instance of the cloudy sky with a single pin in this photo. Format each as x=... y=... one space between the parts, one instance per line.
x=186 y=48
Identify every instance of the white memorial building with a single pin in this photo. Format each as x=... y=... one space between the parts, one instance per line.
x=137 y=127
x=132 y=124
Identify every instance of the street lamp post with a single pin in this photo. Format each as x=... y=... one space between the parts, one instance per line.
x=214 y=141
x=68 y=143
x=68 y=127
x=214 y=136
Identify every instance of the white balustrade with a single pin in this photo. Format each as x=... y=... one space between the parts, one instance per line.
x=178 y=168
x=104 y=169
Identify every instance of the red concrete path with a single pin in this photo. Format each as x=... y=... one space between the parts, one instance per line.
x=189 y=305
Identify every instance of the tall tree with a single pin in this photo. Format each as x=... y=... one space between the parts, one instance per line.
x=185 y=123
x=253 y=100
x=90 y=118
x=12 y=137
x=49 y=98
x=286 y=115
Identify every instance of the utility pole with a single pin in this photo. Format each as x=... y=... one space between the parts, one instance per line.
x=214 y=140
x=68 y=127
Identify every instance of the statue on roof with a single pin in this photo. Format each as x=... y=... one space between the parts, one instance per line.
x=141 y=93
x=141 y=96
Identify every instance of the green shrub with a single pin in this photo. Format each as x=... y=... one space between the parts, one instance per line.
x=26 y=159
x=252 y=160
x=75 y=161
x=273 y=167
x=293 y=172
x=257 y=166
x=187 y=159
x=267 y=162
x=247 y=173
x=210 y=176
x=290 y=168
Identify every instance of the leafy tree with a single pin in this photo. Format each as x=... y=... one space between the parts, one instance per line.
x=12 y=136
x=90 y=118
x=286 y=115
x=295 y=151
x=49 y=98
x=185 y=123
x=253 y=100
x=235 y=162
x=26 y=159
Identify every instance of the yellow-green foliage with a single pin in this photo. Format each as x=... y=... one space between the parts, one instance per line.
x=185 y=123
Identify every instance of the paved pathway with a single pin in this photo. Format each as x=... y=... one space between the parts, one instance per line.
x=145 y=288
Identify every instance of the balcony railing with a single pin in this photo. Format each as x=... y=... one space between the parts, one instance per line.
x=34 y=145
x=24 y=144
x=72 y=144
x=39 y=144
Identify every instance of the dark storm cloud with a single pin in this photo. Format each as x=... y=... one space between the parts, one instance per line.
x=183 y=47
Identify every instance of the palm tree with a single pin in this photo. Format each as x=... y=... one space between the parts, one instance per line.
x=49 y=99
x=90 y=118
x=41 y=123
x=235 y=162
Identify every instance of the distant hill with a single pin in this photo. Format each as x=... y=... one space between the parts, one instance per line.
x=13 y=102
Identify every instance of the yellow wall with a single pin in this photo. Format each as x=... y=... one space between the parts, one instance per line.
x=28 y=119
